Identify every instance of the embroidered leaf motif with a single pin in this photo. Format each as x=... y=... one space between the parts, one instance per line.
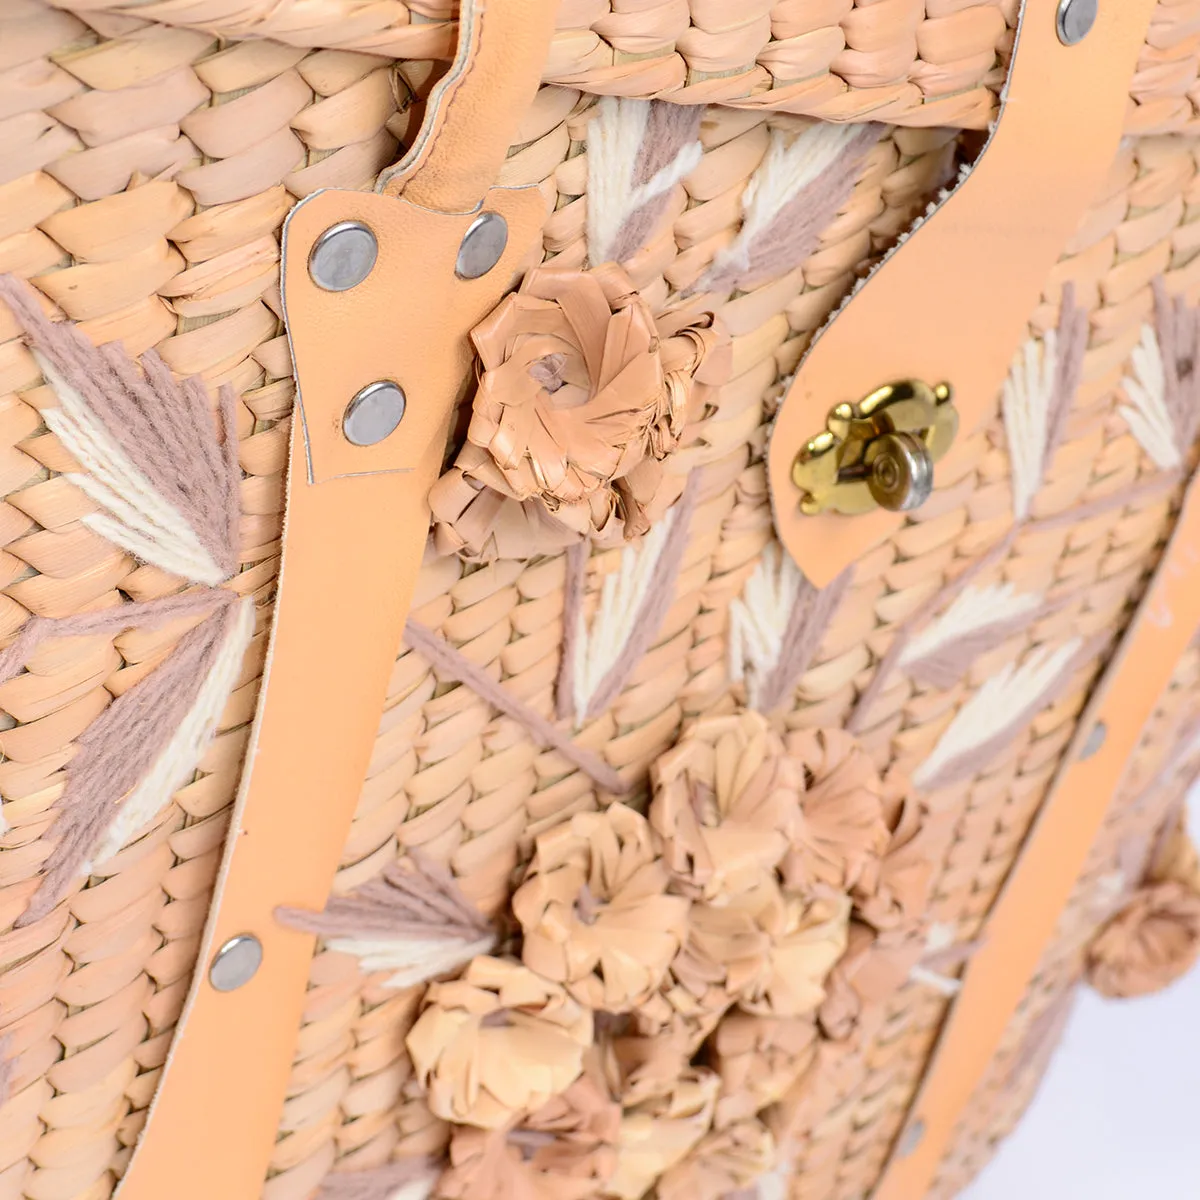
x=943 y=953
x=633 y=602
x=1146 y=414
x=413 y=920
x=452 y=664
x=790 y=200
x=979 y=618
x=141 y=749
x=407 y=1179
x=638 y=151
x=996 y=714
x=147 y=445
x=757 y=619
x=1164 y=389
x=776 y=626
x=1037 y=396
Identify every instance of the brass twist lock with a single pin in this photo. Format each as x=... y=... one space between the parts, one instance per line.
x=878 y=453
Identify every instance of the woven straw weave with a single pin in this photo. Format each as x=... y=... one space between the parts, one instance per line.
x=148 y=157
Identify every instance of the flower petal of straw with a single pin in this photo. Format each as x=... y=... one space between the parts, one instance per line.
x=151 y=460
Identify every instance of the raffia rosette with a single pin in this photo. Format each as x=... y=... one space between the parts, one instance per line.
x=582 y=395
x=1153 y=941
x=687 y=1008
x=497 y=1043
x=1155 y=938
x=567 y=1150
x=640 y=1067
x=595 y=913
x=759 y=1059
x=657 y=1133
x=769 y=951
x=874 y=967
x=894 y=892
x=723 y=1163
x=726 y=797
x=841 y=834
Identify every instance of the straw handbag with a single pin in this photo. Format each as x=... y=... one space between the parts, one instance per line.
x=600 y=596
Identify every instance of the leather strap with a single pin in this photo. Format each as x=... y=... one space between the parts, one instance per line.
x=502 y=46
x=953 y=301
x=355 y=530
x=1024 y=918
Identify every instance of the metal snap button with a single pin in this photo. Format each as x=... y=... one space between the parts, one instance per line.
x=482 y=245
x=900 y=471
x=1095 y=739
x=236 y=963
x=374 y=413
x=878 y=452
x=910 y=1139
x=343 y=256
x=1075 y=20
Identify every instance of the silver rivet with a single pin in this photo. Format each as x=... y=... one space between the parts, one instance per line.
x=236 y=963
x=343 y=256
x=910 y=1139
x=373 y=413
x=1095 y=739
x=1075 y=20
x=482 y=246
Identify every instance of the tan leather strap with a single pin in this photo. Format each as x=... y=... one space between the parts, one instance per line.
x=953 y=301
x=502 y=45
x=355 y=531
x=1023 y=920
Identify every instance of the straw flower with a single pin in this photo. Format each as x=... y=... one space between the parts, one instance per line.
x=659 y=1132
x=499 y=1042
x=725 y=798
x=770 y=951
x=595 y=912
x=1149 y=944
x=723 y=1163
x=564 y=1151
x=638 y=1066
x=894 y=891
x=871 y=971
x=582 y=395
x=759 y=1059
x=841 y=834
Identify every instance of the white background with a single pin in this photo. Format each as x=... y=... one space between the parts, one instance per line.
x=1118 y=1114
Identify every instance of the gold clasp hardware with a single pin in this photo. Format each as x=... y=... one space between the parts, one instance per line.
x=878 y=453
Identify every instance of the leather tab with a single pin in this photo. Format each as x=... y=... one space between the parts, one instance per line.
x=502 y=48
x=953 y=301
x=393 y=325
x=1024 y=918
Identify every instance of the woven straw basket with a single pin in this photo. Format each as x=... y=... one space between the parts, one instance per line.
x=666 y=821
